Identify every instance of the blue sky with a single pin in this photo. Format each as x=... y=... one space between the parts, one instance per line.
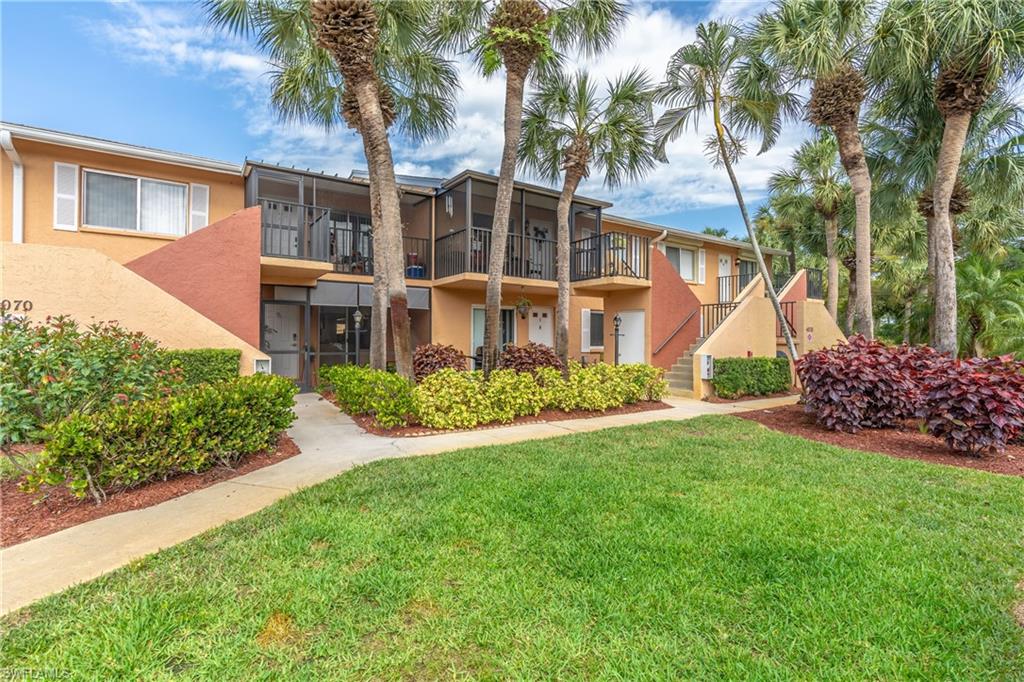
x=151 y=73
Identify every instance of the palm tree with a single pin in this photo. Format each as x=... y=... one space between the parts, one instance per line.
x=823 y=43
x=568 y=127
x=991 y=302
x=815 y=174
x=718 y=76
x=525 y=37
x=368 y=64
x=970 y=47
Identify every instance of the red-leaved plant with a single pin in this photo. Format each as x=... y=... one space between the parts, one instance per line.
x=863 y=384
x=975 y=405
x=529 y=358
x=433 y=357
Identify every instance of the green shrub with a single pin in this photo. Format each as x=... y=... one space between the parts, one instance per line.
x=509 y=394
x=51 y=370
x=554 y=389
x=348 y=382
x=387 y=398
x=450 y=399
x=738 y=377
x=204 y=365
x=137 y=442
x=642 y=382
x=597 y=387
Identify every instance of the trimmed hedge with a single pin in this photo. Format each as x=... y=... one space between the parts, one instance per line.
x=738 y=377
x=452 y=399
x=142 y=441
x=204 y=365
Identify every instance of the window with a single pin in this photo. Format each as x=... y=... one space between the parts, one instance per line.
x=130 y=203
x=684 y=261
x=508 y=328
x=596 y=329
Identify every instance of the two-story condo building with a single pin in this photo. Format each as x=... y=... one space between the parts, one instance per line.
x=279 y=262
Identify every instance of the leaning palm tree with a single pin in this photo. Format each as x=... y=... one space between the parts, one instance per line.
x=718 y=76
x=370 y=65
x=972 y=48
x=526 y=37
x=814 y=173
x=822 y=42
x=570 y=127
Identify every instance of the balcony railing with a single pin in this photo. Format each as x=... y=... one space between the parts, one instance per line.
x=612 y=254
x=307 y=232
x=730 y=286
x=788 y=312
x=470 y=250
x=294 y=230
x=815 y=284
x=712 y=315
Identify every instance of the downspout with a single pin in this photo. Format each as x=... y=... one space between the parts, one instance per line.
x=660 y=237
x=17 y=188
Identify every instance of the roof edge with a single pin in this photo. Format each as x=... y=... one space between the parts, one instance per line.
x=724 y=241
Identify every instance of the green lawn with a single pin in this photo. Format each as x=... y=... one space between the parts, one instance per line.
x=707 y=549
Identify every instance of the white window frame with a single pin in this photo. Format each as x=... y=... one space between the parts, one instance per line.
x=515 y=325
x=190 y=226
x=138 y=202
x=586 y=325
x=72 y=227
x=696 y=261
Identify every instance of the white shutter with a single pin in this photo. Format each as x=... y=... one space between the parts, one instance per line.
x=585 y=330
x=65 y=196
x=199 y=214
x=701 y=266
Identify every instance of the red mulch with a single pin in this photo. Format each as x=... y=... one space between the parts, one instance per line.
x=781 y=394
x=905 y=443
x=366 y=422
x=22 y=518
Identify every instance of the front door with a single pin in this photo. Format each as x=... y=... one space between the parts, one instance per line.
x=633 y=330
x=282 y=330
x=727 y=290
x=542 y=326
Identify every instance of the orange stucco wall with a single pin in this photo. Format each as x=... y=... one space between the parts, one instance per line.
x=215 y=270
x=226 y=196
x=90 y=287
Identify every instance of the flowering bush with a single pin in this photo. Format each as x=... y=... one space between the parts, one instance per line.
x=434 y=357
x=863 y=384
x=52 y=370
x=529 y=358
x=975 y=405
x=141 y=441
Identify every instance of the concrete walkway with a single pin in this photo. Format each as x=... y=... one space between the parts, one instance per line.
x=331 y=444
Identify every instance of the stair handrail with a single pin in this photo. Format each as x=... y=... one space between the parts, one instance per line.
x=676 y=331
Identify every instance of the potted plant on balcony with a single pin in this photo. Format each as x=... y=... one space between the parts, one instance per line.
x=523 y=306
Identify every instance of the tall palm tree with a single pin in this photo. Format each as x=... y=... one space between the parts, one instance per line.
x=971 y=47
x=570 y=127
x=814 y=172
x=823 y=43
x=718 y=76
x=526 y=37
x=368 y=64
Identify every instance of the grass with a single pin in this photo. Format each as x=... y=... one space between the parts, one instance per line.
x=706 y=549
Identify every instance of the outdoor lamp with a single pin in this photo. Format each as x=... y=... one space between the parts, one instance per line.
x=357 y=317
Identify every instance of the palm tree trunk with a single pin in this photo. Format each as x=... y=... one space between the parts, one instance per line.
x=851 y=152
x=832 y=292
x=378 y=316
x=765 y=275
x=376 y=140
x=953 y=137
x=851 y=302
x=908 y=311
x=930 y=275
x=572 y=181
x=515 y=84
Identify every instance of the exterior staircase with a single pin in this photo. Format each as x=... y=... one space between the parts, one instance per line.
x=680 y=376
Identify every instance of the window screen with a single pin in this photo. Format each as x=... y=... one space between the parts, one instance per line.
x=111 y=201
x=596 y=328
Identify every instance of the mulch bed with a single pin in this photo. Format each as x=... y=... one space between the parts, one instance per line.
x=24 y=516
x=782 y=394
x=905 y=443
x=366 y=422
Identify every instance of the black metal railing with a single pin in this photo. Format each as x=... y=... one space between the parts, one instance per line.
x=612 y=254
x=788 y=312
x=470 y=251
x=730 y=286
x=712 y=315
x=294 y=230
x=815 y=284
x=780 y=280
x=351 y=251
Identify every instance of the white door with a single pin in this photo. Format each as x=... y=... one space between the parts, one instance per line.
x=542 y=326
x=725 y=286
x=281 y=323
x=633 y=330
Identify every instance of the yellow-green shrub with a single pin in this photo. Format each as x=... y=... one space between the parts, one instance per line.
x=509 y=394
x=450 y=399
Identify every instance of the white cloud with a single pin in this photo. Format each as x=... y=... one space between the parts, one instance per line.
x=173 y=38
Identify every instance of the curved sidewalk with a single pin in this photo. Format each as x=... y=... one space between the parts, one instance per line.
x=331 y=444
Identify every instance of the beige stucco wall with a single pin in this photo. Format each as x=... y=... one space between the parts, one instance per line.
x=226 y=196
x=750 y=329
x=91 y=287
x=816 y=327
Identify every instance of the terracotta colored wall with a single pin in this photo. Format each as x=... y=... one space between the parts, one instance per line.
x=672 y=301
x=798 y=290
x=91 y=287
x=226 y=196
x=215 y=270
